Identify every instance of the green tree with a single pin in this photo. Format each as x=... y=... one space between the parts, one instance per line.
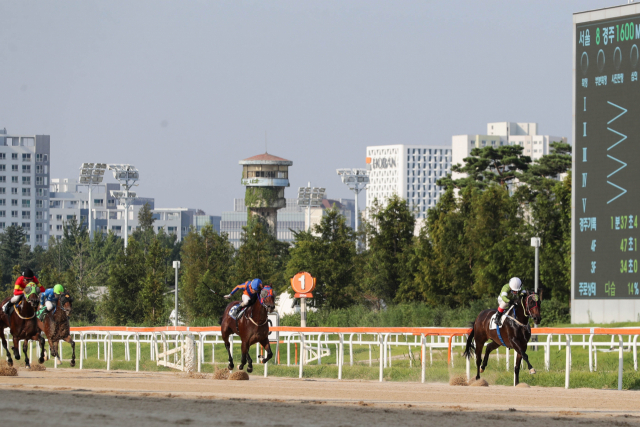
x=389 y=235
x=153 y=288
x=127 y=272
x=207 y=263
x=145 y=234
x=12 y=247
x=261 y=256
x=328 y=254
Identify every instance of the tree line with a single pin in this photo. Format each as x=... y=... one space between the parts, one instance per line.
x=474 y=239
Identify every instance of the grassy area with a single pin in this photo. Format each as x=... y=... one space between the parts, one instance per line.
x=404 y=366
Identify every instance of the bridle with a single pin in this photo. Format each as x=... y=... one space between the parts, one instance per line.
x=531 y=299
x=267 y=292
x=64 y=298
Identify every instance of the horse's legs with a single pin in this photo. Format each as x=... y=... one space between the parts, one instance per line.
x=250 y=366
x=16 y=350
x=73 y=350
x=522 y=352
x=516 y=370
x=4 y=345
x=490 y=347
x=479 y=346
x=227 y=345
x=24 y=351
x=40 y=339
x=267 y=346
x=245 y=353
x=53 y=348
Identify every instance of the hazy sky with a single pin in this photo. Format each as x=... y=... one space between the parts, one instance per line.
x=185 y=89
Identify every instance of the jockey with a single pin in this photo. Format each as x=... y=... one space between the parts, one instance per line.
x=48 y=300
x=18 y=290
x=250 y=291
x=508 y=296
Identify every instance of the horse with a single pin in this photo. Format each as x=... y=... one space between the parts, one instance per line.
x=56 y=327
x=23 y=325
x=252 y=327
x=515 y=333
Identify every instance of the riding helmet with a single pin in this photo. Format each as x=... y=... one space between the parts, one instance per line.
x=58 y=289
x=27 y=273
x=255 y=284
x=515 y=284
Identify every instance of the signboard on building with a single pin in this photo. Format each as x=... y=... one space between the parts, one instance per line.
x=606 y=195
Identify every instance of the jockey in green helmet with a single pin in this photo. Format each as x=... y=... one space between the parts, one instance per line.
x=49 y=299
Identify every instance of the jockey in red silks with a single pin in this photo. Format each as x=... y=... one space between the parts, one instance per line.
x=250 y=291
x=18 y=290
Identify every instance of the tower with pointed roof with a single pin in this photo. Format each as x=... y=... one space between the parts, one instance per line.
x=265 y=177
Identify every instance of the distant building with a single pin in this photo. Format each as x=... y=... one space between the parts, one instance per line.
x=409 y=171
x=200 y=220
x=292 y=218
x=68 y=201
x=503 y=134
x=24 y=185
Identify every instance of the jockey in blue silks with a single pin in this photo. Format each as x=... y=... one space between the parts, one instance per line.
x=250 y=291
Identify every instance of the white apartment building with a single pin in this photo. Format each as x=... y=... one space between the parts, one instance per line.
x=504 y=133
x=24 y=185
x=69 y=198
x=410 y=171
x=291 y=218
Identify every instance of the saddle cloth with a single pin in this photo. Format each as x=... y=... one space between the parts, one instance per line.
x=492 y=321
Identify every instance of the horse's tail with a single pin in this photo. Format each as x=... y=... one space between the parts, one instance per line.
x=471 y=347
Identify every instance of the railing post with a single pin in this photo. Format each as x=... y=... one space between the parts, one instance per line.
x=301 y=353
x=620 y=362
x=568 y=362
x=108 y=350
x=635 y=352
x=137 y=351
x=423 y=352
x=382 y=355
x=81 y=349
x=351 y=349
x=340 y=357
x=591 y=353
x=468 y=368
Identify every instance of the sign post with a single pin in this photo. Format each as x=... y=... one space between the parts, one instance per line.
x=303 y=284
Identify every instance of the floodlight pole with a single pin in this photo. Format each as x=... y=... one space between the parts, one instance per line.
x=176 y=266
x=90 y=217
x=357 y=180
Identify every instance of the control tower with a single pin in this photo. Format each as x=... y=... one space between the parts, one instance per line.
x=265 y=177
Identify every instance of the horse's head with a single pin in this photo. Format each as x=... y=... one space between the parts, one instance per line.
x=31 y=293
x=66 y=300
x=268 y=298
x=532 y=307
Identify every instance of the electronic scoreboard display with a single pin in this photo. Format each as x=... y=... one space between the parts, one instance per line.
x=606 y=170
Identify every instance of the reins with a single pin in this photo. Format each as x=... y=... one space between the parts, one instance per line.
x=20 y=316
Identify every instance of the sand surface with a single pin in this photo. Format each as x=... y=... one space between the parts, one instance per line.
x=120 y=398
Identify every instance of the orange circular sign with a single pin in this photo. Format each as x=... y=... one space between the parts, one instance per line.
x=303 y=283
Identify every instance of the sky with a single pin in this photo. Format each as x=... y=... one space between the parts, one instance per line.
x=183 y=90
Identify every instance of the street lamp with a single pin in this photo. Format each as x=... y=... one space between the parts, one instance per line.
x=127 y=175
x=311 y=197
x=357 y=180
x=91 y=174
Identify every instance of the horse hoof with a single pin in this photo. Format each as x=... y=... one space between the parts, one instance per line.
x=230 y=367
x=41 y=360
x=532 y=371
x=72 y=363
x=240 y=367
x=249 y=369
x=481 y=370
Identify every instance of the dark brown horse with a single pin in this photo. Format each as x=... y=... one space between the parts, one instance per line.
x=56 y=327
x=515 y=333
x=23 y=325
x=253 y=327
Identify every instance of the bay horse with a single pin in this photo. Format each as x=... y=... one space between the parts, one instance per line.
x=56 y=327
x=515 y=333
x=23 y=325
x=252 y=327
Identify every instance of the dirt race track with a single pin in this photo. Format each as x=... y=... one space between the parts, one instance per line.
x=120 y=398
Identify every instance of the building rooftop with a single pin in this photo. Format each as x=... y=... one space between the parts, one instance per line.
x=266 y=158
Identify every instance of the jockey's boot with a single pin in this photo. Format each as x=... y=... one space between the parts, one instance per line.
x=7 y=307
x=42 y=313
x=498 y=317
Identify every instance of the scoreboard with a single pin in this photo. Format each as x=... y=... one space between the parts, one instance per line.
x=606 y=157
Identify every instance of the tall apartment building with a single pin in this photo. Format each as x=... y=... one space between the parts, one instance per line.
x=409 y=171
x=504 y=133
x=24 y=185
x=67 y=200
x=291 y=218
